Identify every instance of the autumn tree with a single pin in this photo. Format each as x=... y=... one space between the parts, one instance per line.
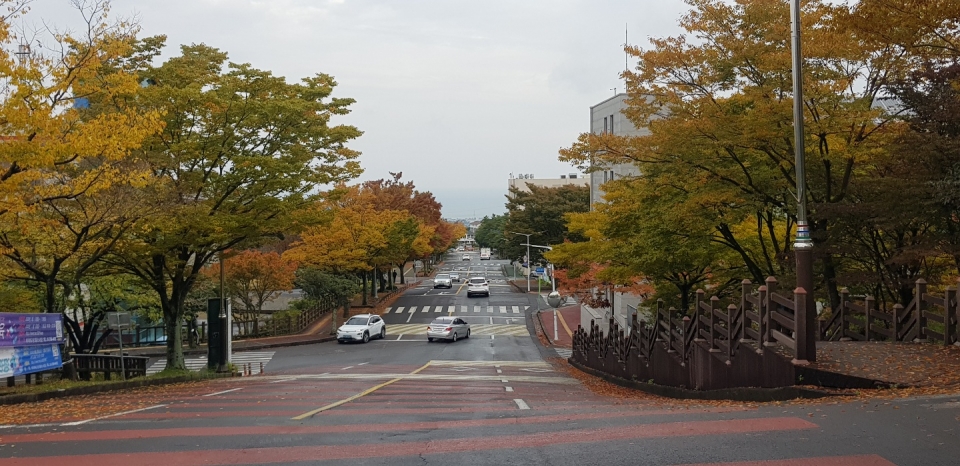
x=241 y=151
x=67 y=176
x=717 y=102
x=253 y=277
x=490 y=233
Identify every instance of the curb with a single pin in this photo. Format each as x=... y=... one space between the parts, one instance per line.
x=74 y=391
x=245 y=347
x=747 y=394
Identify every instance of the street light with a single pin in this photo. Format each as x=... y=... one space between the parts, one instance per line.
x=528 y=235
x=803 y=245
x=553 y=299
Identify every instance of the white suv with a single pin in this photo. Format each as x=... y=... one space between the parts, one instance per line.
x=442 y=280
x=477 y=286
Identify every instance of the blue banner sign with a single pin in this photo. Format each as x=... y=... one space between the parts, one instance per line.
x=27 y=360
x=30 y=329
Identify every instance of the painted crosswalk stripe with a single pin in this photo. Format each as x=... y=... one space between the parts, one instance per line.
x=503 y=309
x=426 y=309
x=413 y=309
x=516 y=309
x=437 y=308
x=476 y=308
x=463 y=309
x=452 y=309
x=400 y=310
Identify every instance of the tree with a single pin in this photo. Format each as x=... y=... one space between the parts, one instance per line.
x=241 y=151
x=320 y=286
x=67 y=174
x=718 y=105
x=490 y=233
x=253 y=278
x=540 y=212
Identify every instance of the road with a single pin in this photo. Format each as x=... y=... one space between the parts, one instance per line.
x=492 y=399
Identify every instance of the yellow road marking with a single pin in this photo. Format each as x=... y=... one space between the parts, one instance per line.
x=563 y=322
x=354 y=397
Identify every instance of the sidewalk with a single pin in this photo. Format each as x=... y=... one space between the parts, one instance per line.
x=567 y=319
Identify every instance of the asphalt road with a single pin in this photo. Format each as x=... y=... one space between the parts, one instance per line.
x=490 y=399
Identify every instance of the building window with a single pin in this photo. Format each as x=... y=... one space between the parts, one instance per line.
x=611 y=123
x=605 y=130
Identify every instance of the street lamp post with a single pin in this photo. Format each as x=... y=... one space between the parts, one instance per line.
x=806 y=350
x=528 y=235
x=553 y=299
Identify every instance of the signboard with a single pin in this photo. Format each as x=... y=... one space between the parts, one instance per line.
x=26 y=360
x=30 y=329
x=540 y=270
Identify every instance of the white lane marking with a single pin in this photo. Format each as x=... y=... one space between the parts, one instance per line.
x=400 y=310
x=426 y=308
x=26 y=426
x=345 y=368
x=521 y=404
x=516 y=310
x=503 y=309
x=77 y=423
x=412 y=310
x=225 y=391
x=499 y=371
x=509 y=389
x=363 y=363
x=491 y=321
x=491 y=336
x=399 y=337
x=476 y=308
x=437 y=309
x=452 y=309
x=387 y=310
x=504 y=380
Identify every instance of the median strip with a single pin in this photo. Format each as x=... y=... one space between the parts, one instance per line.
x=354 y=397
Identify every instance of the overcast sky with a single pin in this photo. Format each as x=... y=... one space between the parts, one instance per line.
x=455 y=94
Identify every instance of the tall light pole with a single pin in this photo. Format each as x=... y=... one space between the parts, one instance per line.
x=806 y=349
x=529 y=262
x=554 y=298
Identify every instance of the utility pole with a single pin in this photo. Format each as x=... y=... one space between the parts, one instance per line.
x=529 y=261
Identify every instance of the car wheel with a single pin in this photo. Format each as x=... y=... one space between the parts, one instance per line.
x=366 y=337
x=468 y=333
x=454 y=337
x=340 y=341
x=383 y=333
x=430 y=339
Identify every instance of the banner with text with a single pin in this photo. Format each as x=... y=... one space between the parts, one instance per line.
x=30 y=329
x=27 y=360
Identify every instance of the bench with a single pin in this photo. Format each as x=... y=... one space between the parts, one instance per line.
x=87 y=364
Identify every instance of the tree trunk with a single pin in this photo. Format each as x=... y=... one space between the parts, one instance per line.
x=403 y=274
x=363 y=293
x=171 y=322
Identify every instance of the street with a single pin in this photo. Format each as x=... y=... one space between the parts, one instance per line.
x=498 y=397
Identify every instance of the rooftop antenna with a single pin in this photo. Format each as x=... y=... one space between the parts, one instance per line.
x=626 y=55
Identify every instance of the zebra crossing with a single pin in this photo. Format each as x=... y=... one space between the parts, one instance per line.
x=564 y=353
x=461 y=309
x=241 y=360
x=507 y=330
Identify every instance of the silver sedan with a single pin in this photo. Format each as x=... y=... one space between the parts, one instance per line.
x=448 y=328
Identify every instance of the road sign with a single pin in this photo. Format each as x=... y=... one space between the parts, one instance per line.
x=118 y=320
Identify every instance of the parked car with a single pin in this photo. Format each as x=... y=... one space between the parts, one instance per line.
x=455 y=276
x=448 y=328
x=442 y=280
x=478 y=286
x=465 y=257
x=362 y=327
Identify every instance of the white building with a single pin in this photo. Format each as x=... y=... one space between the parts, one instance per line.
x=521 y=181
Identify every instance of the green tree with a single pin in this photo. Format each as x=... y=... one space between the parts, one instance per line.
x=321 y=286
x=241 y=151
x=540 y=211
x=490 y=233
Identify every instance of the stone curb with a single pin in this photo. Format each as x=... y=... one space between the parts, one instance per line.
x=747 y=394
x=91 y=389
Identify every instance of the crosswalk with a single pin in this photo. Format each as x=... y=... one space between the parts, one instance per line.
x=240 y=360
x=461 y=309
x=507 y=330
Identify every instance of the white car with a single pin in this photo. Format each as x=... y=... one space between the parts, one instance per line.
x=477 y=286
x=362 y=327
x=465 y=257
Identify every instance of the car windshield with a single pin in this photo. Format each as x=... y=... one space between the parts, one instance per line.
x=357 y=321
x=441 y=276
x=478 y=281
x=442 y=321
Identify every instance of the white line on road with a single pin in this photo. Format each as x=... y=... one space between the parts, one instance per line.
x=77 y=423
x=400 y=310
x=345 y=368
x=491 y=321
x=225 y=391
x=509 y=389
x=504 y=380
x=521 y=404
x=426 y=308
x=412 y=310
x=399 y=337
x=491 y=336
x=362 y=363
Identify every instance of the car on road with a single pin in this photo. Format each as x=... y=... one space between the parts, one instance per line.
x=362 y=327
x=465 y=257
x=455 y=276
x=442 y=280
x=478 y=286
x=448 y=328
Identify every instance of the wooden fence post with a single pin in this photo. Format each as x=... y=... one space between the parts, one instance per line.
x=949 y=316
x=697 y=312
x=921 y=291
x=731 y=337
x=714 y=307
x=745 y=305
x=844 y=325
x=897 y=310
x=868 y=316
x=768 y=308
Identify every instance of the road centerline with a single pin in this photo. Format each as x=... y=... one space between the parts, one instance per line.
x=354 y=397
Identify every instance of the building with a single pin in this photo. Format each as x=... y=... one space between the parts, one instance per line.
x=521 y=181
x=608 y=117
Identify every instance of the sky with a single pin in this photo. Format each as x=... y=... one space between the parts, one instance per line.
x=456 y=95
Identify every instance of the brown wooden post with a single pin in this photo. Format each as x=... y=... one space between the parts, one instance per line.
x=949 y=316
x=11 y=381
x=670 y=313
x=656 y=321
x=868 y=305
x=714 y=306
x=745 y=305
x=844 y=325
x=698 y=311
x=921 y=292
x=897 y=310
x=769 y=309
x=802 y=355
x=731 y=337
